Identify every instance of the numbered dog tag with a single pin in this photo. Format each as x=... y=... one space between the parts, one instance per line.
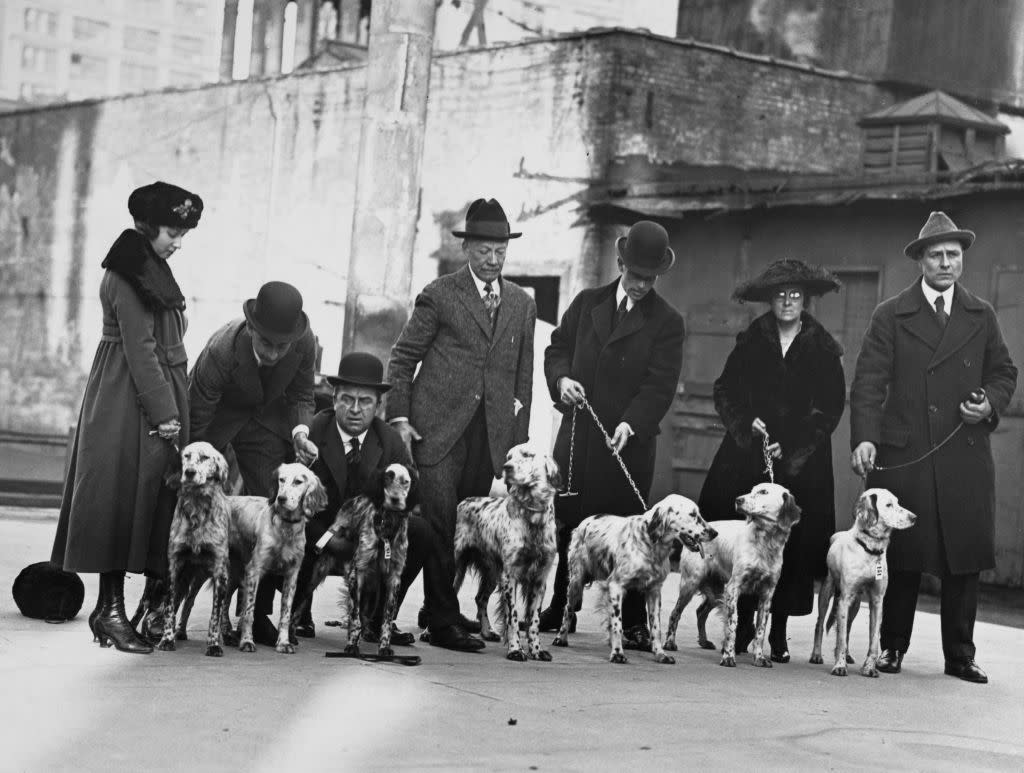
x=878 y=569
x=322 y=542
x=387 y=551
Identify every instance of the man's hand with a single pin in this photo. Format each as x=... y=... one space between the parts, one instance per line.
x=408 y=433
x=570 y=391
x=623 y=433
x=972 y=413
x=774 y=450
x=305 y=449
x=168 y=430
x=863 y=458
x=759 y=427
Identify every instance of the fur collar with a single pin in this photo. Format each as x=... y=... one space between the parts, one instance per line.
x=132 y=258
x=763 y=330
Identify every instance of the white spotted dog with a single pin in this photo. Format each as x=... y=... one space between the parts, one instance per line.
x=746 y=557
x=510 y=542
x=856 y=566
x=199 y=541
x=269 y=537
x=631 y=553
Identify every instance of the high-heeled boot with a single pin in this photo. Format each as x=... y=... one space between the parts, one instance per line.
x=94 y=614
x=111 y=624
x=551 y=617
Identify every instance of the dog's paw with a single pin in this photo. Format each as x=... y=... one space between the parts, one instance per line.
x=215 y=651
x=560 y=641
x=666 y=659
x=706 y=644
x=762 y=662
x=839 y=670
x=618 y=657
x=670 y=645
x=385 y=652
x=285 y=648
x=247 y=646
x=816 y=658
x=490 y=636
x=544 y=655
x=517 y=655
x=869 y=670
x=181 y=635
x=849 y=659
x=166 y=645
x=728 y=661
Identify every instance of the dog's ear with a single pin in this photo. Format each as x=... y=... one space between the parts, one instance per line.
x=553 y=473
x=314 y=498
x=223 y=473
x=274 y=488
x=656 y=526
x=865 y=509
x=790 y=509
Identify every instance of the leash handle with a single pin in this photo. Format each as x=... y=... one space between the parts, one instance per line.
x=618 y=458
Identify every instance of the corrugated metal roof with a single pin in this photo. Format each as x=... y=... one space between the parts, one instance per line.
x=935 y=106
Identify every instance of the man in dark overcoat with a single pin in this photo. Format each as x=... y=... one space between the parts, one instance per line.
x=471 y=335
x=932 y=378
x=252 y=388
x=620 y=347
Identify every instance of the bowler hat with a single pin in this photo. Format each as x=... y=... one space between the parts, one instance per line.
x=938 y=228
x=276 y=313
x=644 y=250
x=360 y=369
x=814 y=280
x=44 y=591
x=161 y=203
x=485 y=219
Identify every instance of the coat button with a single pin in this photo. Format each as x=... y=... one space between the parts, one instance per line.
x=932 y=409
x=967 y=363
x=970 y=441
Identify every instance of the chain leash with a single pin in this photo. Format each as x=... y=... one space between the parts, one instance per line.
x=608 y=442
x=768 y=461
x=572 y=449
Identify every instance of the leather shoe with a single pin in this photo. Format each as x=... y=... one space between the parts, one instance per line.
x=454 y=637
x=967 y=670
x=637 y=638
x=891 y=662
x=263 y=631
x=371 y=634
x=307 y=630
x=471 y=626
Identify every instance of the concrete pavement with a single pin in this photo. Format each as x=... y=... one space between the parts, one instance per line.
x=70 y=705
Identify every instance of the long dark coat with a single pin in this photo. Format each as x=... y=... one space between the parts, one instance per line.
x=629 y=374
x=800 y=398
x=115 y=514
x=910 y=379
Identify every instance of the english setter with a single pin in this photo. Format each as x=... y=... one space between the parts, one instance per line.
x=199 y=543
x=269 y=537
x=746 y=557
x=510 y=542
x=368 y=541
x=631 y=553
x=856 y=566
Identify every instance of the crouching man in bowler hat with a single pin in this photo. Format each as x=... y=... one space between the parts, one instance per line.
x=252 y=388
x=933 y=359
x=356 y=448
x=471 y=334
x=620 y=347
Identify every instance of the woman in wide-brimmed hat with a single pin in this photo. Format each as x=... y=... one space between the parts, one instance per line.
x=116 y=512
x=784 y=381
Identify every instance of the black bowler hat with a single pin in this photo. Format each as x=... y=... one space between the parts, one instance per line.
x=276 y=313
x=360 y=369
x=164 y=204
x=644 y=250
x=44 y=591
x=485 y=219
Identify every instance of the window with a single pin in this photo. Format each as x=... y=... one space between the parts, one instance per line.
x=187 y=49
x=89 y=30
x=85 y=67
x=39 y=22
x=39 y=60
x=139 y=39
x=138 y=77
x=37 y=91
x=189 y=9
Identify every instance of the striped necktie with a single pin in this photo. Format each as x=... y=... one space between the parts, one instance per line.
x=491 y=302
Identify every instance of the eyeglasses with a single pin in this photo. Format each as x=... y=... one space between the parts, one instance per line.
x=793 y=295
x=348 y=402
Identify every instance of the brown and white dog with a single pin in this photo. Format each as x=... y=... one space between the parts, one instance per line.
x=268 y=536
x=631 y=553
x=856 y=566
x=199 y=541
x=746 y=557
x=510 y=543
x=368 y=542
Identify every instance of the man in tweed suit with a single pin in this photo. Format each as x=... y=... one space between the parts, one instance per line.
x=471 y=334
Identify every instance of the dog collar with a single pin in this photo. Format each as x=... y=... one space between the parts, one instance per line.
x=869 y=550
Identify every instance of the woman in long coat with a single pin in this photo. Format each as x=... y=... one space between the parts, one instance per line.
x=785 y=379
x=116 y=510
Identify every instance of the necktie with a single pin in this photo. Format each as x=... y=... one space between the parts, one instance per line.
x=620 y=312
x=491 y=302
x=940 y=311
x=353 y=454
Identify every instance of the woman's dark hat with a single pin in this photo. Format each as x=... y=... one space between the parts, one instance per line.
x=276 y=313
x=360 y=369
x=44 y=591
x=161 y=203
x=938 y=228
x=644 y=250
x=485 y=219
x=814 y=280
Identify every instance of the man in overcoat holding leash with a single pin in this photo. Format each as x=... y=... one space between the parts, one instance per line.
x=620 y=347
x=931 y=380
x=471 y=334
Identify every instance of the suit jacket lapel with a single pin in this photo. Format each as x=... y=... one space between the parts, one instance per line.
x=282 y=373
x=632 y=323
x=247 y=375
x=962 y=326
x=471 y=299
x=333 y=453
x=371 y=453
x=916 y=316
x=506 y=310
x=601 y=316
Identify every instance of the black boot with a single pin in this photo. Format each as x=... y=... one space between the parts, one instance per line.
x=777 y=638
x=111 y=624
x=746 y=608
x=96 y=613
x=551 y=618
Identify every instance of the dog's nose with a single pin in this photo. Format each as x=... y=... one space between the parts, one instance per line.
x=712 y=533
x=189 y=473
x=282 y=499
x=739 y=501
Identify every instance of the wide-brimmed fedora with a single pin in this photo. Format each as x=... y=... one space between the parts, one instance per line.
x=485 y=219
x=938 y=228
x=644 y=250
x=276 y=313
x=815 y=280
x=360 y=369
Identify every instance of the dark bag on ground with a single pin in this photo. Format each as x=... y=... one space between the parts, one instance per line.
x=44 y=591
